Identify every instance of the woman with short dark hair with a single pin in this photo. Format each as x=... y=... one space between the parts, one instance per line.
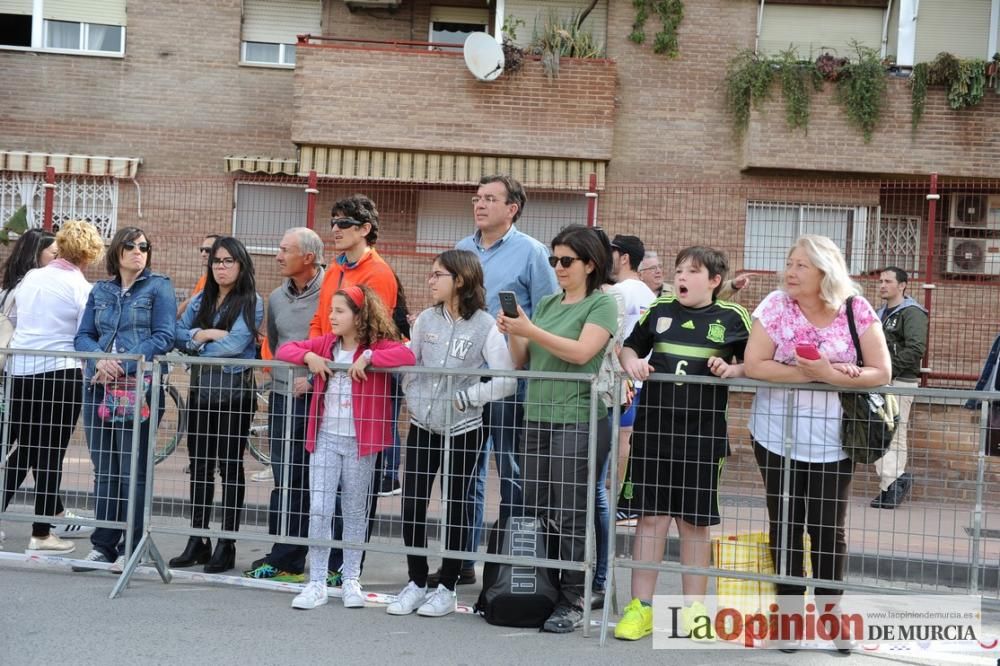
x=132 y=312
x=221 y=322
x=568 y=332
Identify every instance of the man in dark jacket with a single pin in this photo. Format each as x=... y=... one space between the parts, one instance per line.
x=905 y=324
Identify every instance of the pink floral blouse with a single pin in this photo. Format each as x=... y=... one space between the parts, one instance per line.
x=787 y=327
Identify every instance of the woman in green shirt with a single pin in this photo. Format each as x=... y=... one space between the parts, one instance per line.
x=567 y=333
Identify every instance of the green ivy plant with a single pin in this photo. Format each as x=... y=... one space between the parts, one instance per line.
x=861 y=90
x=798 y=80
x=748 y=83
x=918 y=92
x=670 y=13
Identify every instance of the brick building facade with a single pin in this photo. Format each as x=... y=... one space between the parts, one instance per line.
x=412 y=128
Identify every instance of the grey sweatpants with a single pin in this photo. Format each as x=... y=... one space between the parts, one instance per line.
x=335 y=463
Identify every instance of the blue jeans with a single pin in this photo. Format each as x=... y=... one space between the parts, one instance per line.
x=288 y=557
x=503 y=421
x=602 y=521
x=110 y=446
x=390 y=457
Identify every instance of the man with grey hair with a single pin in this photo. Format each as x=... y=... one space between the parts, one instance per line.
x=290 y=309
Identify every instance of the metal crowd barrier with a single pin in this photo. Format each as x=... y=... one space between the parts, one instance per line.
x=936 y=540
x=47 y=425
x=939 y=539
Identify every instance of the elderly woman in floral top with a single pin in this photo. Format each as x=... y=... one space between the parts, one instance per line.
x=808 y=315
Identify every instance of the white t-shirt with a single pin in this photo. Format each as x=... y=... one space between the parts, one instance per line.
x=637 y=298
x=50 y=302
x=338 y=416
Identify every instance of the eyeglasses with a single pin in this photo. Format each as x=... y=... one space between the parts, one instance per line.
x=204 y=250
x=228 y=262
x=489 y=198
x=437 y=275
x=565 y=261
x=344 y=223
x=654 y=267
x=131 y=245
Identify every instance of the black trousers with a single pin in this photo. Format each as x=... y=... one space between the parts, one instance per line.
x=424 y=457
x=217 y=438
x=554 y=466
x=818 y=494
x=44 y=409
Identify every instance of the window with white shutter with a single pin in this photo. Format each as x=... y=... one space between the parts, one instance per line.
x=271 y=29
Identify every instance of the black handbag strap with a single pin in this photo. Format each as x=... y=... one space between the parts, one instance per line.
x=854 y=329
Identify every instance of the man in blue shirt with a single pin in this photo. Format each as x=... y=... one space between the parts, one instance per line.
x=512 y=261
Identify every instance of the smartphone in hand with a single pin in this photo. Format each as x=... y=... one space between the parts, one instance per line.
x=508 y=304
x=810 y=352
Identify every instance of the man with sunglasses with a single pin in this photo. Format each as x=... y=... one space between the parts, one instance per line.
x=204 y=250
x=512 y=261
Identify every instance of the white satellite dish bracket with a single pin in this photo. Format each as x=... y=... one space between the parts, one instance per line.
x=483 y=56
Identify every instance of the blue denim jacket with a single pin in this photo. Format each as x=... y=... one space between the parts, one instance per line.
x=139 y=322
x=240 y=343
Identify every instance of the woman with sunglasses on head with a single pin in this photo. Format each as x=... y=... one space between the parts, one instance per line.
x=132 y=312
x=221 y=322
x=568 y=332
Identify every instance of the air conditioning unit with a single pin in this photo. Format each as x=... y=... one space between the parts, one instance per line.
x=973 y=256
x=974 y=211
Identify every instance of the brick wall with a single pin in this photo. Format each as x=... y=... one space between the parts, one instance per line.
x=956 y=143
x=179 y=99
x=428 y=100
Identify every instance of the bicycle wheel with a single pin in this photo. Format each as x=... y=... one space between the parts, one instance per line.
x=175 y=415
x=259 y=439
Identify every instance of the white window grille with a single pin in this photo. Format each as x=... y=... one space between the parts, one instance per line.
x=772 y=228
x=895 y=241
x=90 y=198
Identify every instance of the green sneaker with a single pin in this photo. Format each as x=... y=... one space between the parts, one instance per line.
x=334 y=579
x=636 y=623
x=266 y=572
x=697 y=623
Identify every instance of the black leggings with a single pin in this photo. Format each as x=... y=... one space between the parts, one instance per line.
x=424 y=456
x=217 y=438
x=44 y=409
x=818 y=495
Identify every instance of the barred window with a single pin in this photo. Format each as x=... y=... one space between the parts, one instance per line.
x=90 y=198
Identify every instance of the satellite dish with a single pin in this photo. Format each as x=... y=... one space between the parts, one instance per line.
x=483 y=56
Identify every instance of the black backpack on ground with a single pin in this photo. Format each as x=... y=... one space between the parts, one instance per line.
x=518 y=596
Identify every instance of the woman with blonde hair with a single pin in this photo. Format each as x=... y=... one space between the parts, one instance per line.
x=801 y=335
x=47 y=391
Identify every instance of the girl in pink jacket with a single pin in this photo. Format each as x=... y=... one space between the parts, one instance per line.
x=350 y=421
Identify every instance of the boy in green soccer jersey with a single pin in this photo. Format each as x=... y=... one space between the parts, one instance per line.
x=680 y=439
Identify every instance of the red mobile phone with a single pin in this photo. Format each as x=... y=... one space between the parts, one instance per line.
x=810 y=352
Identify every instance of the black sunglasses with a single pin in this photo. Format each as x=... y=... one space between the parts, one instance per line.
x=565 y=261
x=344 y=222
x=131 y=245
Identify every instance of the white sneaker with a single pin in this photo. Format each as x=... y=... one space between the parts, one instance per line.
x=50 y=545
x=441 y=602
x=408 y=600
x=312 y=596
x=118 y=565
x=92 y=556
x=263 y=475
x=351 y=595
x=72 y=531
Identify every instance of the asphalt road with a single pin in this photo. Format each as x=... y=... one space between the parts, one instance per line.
x=51 y=615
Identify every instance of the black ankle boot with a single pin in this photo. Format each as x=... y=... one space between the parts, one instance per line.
x=224 y=557
x=197 y=551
